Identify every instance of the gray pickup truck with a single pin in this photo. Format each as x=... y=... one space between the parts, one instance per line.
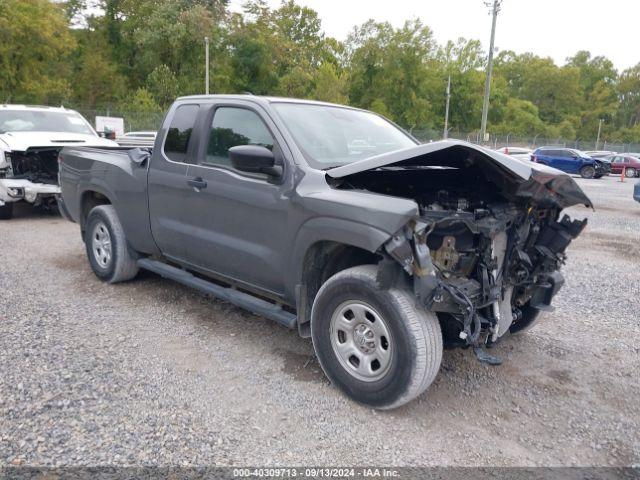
x=334 y=221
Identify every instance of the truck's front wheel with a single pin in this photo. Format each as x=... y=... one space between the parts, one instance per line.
x=110 y=257
x=373 y=343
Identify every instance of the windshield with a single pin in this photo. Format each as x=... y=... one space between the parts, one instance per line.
x=42 y=121
x=333 y=136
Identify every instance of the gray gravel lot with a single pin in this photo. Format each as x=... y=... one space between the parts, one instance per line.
x=151 y=373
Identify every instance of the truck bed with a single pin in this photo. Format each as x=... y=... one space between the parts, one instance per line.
x=90 y=175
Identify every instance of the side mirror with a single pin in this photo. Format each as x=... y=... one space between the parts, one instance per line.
x=254 y=159
x=139 y=156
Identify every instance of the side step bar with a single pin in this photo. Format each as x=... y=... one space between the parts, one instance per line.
x=241 y=299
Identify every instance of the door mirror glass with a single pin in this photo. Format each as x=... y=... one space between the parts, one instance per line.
x=254 y=159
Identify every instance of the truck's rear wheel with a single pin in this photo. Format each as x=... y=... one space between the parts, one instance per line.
x=374 y=344
x=6 y=211
x=110 y=257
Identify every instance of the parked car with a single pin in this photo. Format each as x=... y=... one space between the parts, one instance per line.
x=572 y=161
x=378 y=254
x=600 y=153
x=627 y=163
x=517 y=152
x=30 y=139
x=632 y=154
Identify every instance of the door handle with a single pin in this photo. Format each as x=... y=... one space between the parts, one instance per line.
x=197 y=183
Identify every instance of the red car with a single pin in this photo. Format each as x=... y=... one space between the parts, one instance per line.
x=631 y=165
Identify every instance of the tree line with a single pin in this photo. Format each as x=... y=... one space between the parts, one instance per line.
x=138 y=55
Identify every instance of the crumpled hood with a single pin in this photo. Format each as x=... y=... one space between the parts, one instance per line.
x=534 y=181
x=22 y=141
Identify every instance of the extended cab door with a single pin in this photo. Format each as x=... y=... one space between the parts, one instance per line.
x=237 y=221
x=167 y=180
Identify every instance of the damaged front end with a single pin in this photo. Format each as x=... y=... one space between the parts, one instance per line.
x=485 y=271
x=486 y=249
x=30 y=176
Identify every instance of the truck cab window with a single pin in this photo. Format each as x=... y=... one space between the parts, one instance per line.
x=179 y=133
x=232 y=127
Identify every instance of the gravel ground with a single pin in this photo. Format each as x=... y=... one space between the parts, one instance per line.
x=151 y=373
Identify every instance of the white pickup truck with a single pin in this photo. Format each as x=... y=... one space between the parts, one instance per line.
x=30 y=139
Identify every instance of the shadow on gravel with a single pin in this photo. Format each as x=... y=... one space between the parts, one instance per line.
x=25 y=211
x=76 y=262
x=619 y=210
x=301 y=367
x=621 y=246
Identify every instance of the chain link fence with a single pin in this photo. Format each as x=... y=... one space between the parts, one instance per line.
x=133 y=120
x=532 y=142
x=138 y=120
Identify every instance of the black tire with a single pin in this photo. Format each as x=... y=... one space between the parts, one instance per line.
x=598 y=175
x=120 y=263
x=414 y=343
x=6 y=211
x=630 y=172
x=587 y=171
x=530 y=317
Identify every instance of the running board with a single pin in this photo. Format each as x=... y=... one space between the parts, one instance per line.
x=236 y=297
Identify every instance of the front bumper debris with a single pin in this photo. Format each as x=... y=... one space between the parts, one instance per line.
x=15 y=190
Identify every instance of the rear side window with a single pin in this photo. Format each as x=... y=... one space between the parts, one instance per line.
x=179 y=133
x=232 y=127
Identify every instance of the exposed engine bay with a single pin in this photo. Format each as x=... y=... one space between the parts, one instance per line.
x=486 y=250
x=38 y=166
x=30 y=175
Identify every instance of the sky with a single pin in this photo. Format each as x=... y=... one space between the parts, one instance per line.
x=549 y=28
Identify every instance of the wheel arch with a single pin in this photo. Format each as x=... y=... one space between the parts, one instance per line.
x=323 y=259
x=89 y=199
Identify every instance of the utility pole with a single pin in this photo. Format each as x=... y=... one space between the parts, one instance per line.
x=206 y=62
x=495 y=8
x=599 y=131
x=446 y=110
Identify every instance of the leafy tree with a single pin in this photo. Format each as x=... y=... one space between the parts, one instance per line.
x=464 y=62
x=140 y=110
x=35 y=41
x=97 y=80
x=391 y=67
x=521 y=118
x=163 y=85
x=329 y=85
x=140 y=54
x=554 y=90
x=629 y=97
x=597 y=81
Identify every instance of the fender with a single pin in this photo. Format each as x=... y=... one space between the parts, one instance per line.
x=330 y=229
